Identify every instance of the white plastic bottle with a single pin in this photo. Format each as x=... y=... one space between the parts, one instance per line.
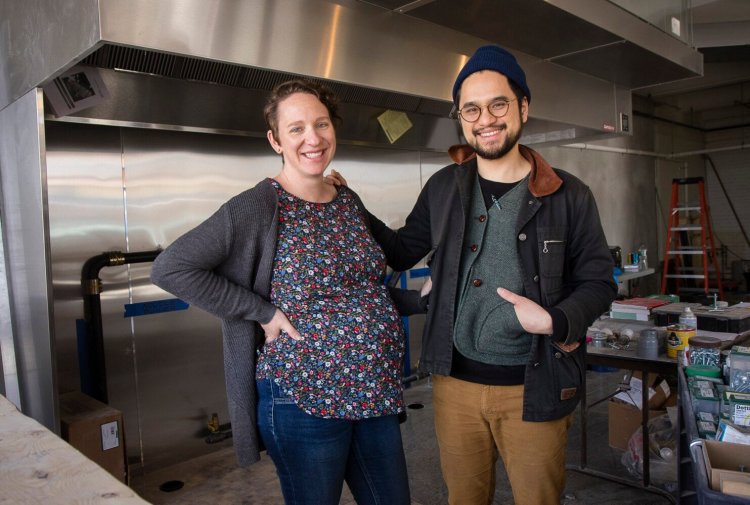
x=688 y=318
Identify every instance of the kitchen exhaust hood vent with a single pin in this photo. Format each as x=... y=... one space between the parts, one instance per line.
x=180 y=67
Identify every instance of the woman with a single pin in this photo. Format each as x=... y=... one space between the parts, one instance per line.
x=294 y=256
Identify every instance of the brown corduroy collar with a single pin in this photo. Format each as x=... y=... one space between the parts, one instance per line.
x=543 y=180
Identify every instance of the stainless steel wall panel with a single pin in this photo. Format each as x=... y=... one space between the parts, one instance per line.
x=86 y=218
x=26 y=243
x=430 y=163
x=9 y=385
x=386 y=180
x=173 y=182
x=173 y=192
x=42 y=38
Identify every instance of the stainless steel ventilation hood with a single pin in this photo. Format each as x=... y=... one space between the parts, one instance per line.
x=183 y=58
x=596 y=37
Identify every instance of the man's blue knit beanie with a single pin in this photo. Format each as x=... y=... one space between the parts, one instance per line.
x=492 y=58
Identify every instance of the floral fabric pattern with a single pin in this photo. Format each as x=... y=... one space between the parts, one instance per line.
x=326 y=279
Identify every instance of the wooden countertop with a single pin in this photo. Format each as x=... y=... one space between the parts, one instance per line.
x=38 y=467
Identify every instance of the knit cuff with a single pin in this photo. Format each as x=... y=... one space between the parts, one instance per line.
x=266 y=313
x=559 y=324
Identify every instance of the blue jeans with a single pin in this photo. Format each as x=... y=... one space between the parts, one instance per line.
x=314 y=456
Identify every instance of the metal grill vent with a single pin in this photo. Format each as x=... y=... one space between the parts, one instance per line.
x=215 y=72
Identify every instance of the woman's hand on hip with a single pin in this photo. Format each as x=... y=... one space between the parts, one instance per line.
x=278 y=323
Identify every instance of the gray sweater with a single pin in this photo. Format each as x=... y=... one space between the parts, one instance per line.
x=487 y=328
x=224 y=266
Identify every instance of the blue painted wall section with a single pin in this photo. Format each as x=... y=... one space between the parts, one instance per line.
x=154 y=307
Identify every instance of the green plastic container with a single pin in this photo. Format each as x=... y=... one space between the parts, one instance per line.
x=702 y=371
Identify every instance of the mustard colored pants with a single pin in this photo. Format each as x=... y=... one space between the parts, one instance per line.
x=474 y=423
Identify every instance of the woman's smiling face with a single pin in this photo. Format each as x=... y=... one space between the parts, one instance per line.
x=306 y=135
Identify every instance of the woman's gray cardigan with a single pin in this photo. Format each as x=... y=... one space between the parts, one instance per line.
x=224 y=266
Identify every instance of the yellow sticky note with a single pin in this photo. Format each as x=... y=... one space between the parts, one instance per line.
x=394 y=124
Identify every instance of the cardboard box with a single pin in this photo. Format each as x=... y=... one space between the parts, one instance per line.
x=96 y=430
x=662 y=392
x=624 y=420
x=723 y=461
x=739 y=487
x=658 y=392
x=652 y=377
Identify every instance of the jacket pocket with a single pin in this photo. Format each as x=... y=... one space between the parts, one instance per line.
x=553 y=248
x=554 y=384
x=568 y=371
x=499 y=327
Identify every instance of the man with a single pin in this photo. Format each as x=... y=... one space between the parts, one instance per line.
x=520 y=268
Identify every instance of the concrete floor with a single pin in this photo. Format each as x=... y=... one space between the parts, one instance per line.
x=215 y=479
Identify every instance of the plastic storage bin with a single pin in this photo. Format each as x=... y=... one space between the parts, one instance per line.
x=693 y=479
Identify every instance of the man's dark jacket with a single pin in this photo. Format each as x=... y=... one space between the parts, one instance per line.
x=565 y=262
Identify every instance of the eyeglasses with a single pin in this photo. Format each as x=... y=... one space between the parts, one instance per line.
x=498 y=108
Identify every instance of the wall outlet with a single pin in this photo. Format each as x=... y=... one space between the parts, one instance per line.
x=676 y=26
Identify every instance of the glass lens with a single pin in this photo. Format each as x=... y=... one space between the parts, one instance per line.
x=498 y=108
x=470 y=113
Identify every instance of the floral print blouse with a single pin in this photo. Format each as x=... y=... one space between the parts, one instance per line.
x=327 y=280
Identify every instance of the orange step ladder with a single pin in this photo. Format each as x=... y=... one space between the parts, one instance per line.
x=685 y=223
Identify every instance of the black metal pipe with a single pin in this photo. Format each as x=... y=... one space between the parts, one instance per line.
x=414 y=377
x=93 y=369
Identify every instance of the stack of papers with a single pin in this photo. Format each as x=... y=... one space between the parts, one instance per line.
x=638 y=309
